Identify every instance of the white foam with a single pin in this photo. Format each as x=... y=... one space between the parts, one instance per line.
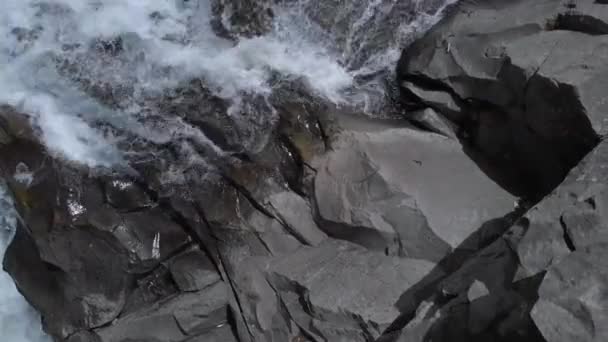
x=178 y=37
x=18 y=321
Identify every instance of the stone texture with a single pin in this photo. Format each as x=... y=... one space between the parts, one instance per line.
x=246 y=18
x=193 y=271
x=515 y=74
x=399 y=188
x=328 y=275
x=173 y=319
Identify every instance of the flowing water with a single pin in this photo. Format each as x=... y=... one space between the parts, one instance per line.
x=18 y=321
x=57 y=56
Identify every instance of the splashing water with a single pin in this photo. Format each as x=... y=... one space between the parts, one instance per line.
x=168 y=41
x=18 y=321
x=50 y=59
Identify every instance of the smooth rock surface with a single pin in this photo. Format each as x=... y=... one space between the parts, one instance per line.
x=399 y=186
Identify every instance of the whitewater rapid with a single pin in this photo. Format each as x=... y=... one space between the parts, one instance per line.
x=49 y=49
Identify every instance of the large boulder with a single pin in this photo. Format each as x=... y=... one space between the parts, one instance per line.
x=404 y=191
x=318 y=288
x=534 y=69
x=567 y=240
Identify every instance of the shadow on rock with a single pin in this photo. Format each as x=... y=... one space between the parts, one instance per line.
x=474 y=293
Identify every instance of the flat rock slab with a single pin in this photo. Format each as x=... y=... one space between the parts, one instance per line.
x=340 y=277
x=400 y=183
x=193 y=271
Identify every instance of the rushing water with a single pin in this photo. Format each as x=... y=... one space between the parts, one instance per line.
x=49 y=50
x=18 y=321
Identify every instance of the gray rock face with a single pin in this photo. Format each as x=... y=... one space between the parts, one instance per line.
x=485 y=70
x=571 y=304
x=392 y=189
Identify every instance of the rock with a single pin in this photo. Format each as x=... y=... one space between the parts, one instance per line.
x=247 y=18
x=297 y=215
x=442 y=101
x=363 y=31
x=186 y=314
x=567 y=239
x=513 y=74
x=344 y=286
x=434 y=122
x=480 y=301
x=572 y=304
x=193 y=271
x=542 y=245
x=571 y=218
x=399 y=188
x=295 y=219
x=221 y=334
x=477 y=290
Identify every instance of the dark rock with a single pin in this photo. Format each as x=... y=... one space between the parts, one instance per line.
x=193 y=271
x=567 y=239
x=295 y=219
x=174 y=319
x=126 y=195
x=340 y=291
x=247 y=18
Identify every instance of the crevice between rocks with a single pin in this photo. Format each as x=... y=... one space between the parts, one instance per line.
x=566 y=234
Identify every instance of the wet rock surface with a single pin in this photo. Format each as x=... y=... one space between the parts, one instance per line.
x=478 y=215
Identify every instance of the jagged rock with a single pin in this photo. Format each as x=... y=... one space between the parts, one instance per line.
x=84 y=336
x=571 y=218
x=399 y=189
x=480 y=301
x=349 y=292
x=567 y=239
x=248 y=243
x=83 y=251
x=572 y=304
x=526 y=102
